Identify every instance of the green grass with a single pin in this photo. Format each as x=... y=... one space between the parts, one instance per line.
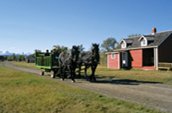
x=164 y=77
x=24 y=64
x=27 y=93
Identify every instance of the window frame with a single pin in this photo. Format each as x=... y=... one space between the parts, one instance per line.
x=143 y=42
x=123 y=44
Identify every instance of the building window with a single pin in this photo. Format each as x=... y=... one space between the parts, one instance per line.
x=143 y=42
x=113 y=56
x=123 y=45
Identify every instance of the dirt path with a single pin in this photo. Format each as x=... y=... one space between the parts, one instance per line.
x=154 y=95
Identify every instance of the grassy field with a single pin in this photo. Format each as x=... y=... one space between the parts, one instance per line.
x=24 y=64
x=27 y=93
x=164 y=77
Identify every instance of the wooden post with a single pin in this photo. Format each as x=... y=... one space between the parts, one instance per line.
x=156 y=58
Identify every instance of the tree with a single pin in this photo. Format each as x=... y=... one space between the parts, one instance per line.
x=109 y=44
x=81 y=48
x=21 y=58
x=9 y=58
x=30 y=58
x=59 y=48
x=14 y=58
x=37 y=50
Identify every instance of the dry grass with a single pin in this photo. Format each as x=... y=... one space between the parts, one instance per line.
x=152 y=76
x=27 y=93
x=24 y=64
x=134 y=74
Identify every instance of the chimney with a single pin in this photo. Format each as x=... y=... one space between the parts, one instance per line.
x=153 y=30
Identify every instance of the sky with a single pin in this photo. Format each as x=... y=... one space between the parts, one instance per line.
x=26 y=25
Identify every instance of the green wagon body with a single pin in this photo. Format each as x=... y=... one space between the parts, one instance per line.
x=48 y=62
x=44 y=62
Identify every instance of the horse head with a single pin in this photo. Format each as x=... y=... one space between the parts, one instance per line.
x=75 y=53
x=95 y=52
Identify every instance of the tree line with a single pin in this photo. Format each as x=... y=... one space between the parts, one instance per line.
x=109 y=44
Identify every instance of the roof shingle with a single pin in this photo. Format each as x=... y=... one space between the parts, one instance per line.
x=153 y=40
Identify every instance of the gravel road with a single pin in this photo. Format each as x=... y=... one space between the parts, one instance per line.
x=149 y=94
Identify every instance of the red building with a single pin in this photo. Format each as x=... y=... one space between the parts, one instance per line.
x=144 y=52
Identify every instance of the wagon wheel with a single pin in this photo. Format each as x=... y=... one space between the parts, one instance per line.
x=52 y=74
x=42 y=73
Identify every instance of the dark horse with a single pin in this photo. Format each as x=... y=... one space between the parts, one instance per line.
x=90 y=59
x=68 y=62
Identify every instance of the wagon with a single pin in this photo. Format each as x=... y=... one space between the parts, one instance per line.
x=48 y=62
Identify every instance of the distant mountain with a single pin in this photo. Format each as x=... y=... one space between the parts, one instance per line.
x=7 y=53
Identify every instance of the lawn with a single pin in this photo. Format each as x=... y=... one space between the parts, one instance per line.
x=22 y=92
x=164 y=77
x=24 y=64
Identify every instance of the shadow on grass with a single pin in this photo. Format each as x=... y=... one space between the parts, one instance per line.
x=124 y=81
x=117 y=81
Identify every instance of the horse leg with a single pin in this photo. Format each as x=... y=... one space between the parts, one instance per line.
x=85 y=70
x=93 y=69
x=79 y=71
x=62 y=70
x=73 y=76
x=72 y=72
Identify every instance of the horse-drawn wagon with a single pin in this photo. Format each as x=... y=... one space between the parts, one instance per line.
x=64 y=63
x=48 y=62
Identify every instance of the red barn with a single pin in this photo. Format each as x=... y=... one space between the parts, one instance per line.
x=144 y=52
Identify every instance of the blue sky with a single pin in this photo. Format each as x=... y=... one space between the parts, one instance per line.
x=26 y=25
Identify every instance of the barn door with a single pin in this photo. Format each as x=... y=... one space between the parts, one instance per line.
x=125 y=60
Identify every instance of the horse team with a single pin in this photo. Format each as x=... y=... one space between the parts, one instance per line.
x=67 y=63
x=76 y=59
